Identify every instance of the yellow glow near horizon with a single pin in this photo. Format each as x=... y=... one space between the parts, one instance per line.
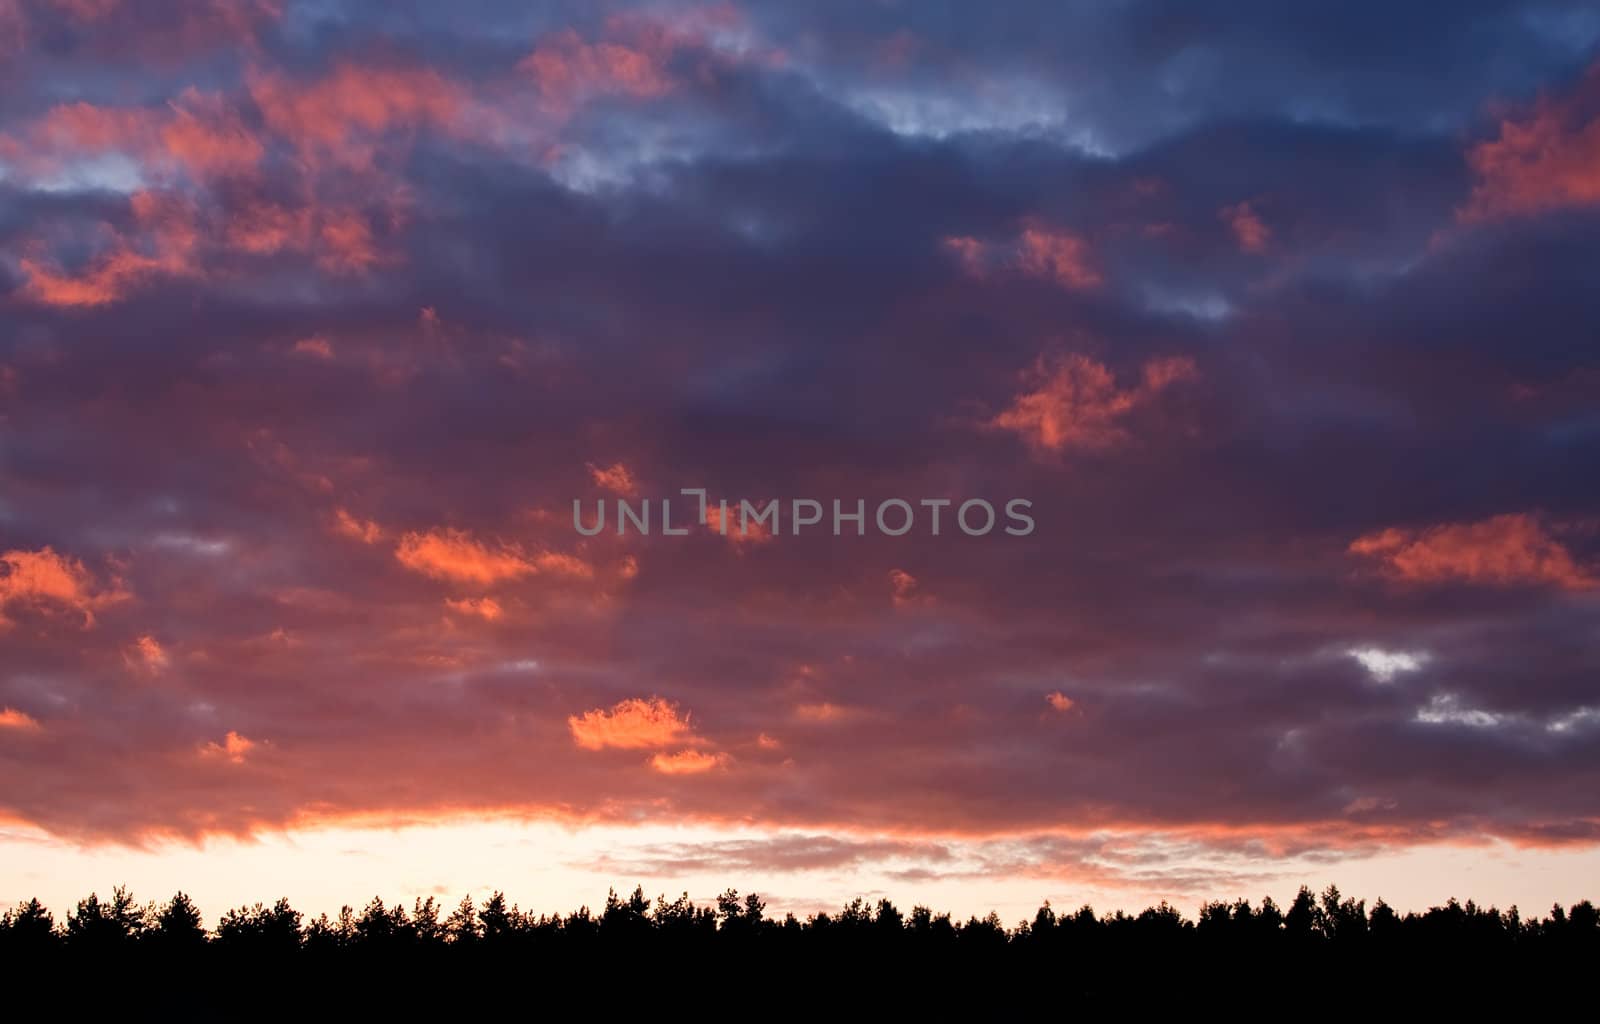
x=550 y=868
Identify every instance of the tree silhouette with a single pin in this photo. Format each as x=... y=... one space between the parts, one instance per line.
x=860 y=942
x=98 y=926
x=177 y=925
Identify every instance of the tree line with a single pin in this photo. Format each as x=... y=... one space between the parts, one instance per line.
x=1327 y=921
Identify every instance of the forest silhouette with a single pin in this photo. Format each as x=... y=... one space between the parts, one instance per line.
x=1322 y=954
x=1314 y=928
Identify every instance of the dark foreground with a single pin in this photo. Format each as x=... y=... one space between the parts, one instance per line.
x=641 y=957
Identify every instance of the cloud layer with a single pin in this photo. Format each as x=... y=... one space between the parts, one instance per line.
x=318 y=319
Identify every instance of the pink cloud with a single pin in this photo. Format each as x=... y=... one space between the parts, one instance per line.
x=1039 y=251
x=234 y=748
x=43 y=580
x=314 y=346
x=344 y=116
x=146 y=656
x=615 y=478
x=163 y=245
x=630 y=725
x=1546 y=158
x=17 y=721
x=364 y=530
x=1075 y=402
x=486 y=608
x=1059 y=255
x=1505 y=549
x=1248 y=228
x=688 y=762
x=456 y=555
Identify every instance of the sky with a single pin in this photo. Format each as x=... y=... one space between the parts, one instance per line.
x=317 y=318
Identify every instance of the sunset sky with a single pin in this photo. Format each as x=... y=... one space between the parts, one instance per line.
x=316 y=318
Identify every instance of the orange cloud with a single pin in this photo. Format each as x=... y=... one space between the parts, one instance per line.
x=198 y=134
x=688 y=762
x=562 y=565
x=203 y=137
x=233 y=747
x=486 y=608
x=614 y=478
x=1505 y=549
x=1038 y=251
x=904 y=586
x=207 y=137
x=568 y=70
x=454 y=555
x=342 y=115
x=1547 y=159
x=11 y=718
x=339 y=238
x=163 y=246
x=73 y=129
x=42 y=579
x=751 y=533
x=630 y=724
x=315 y=346
x=264 y=228
x=346 y=243
x=1076 y=403
x=364 y=530
x=823 y=711
x=1058 y=255
x=1248 y=228
x=146 y=655
x=1059 y=701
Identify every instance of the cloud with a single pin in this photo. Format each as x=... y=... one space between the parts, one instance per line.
x=1059 y=701
x=42 y=580
x=348 y=525
x=1037 y=251
x=1383 y=665
x=1058 y=255
x=17 y=721
x=1503 y=550
x=344 y=117
x=1074 y=402
x=315 y=346
x=614 y=478
x=688 y=762
x=904 y=586
x=486 y=608
x=783 y=853
x=1447 y=709
x=627 y=240
x=821 y=712
x=196 y=134
x=1543 y=159
x=630 y=724
x=146 y=656
x=161 y=244
x=569 y=70
x=739 y=528
x=1248 y=228
x=234 y=748
x=455 y=555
